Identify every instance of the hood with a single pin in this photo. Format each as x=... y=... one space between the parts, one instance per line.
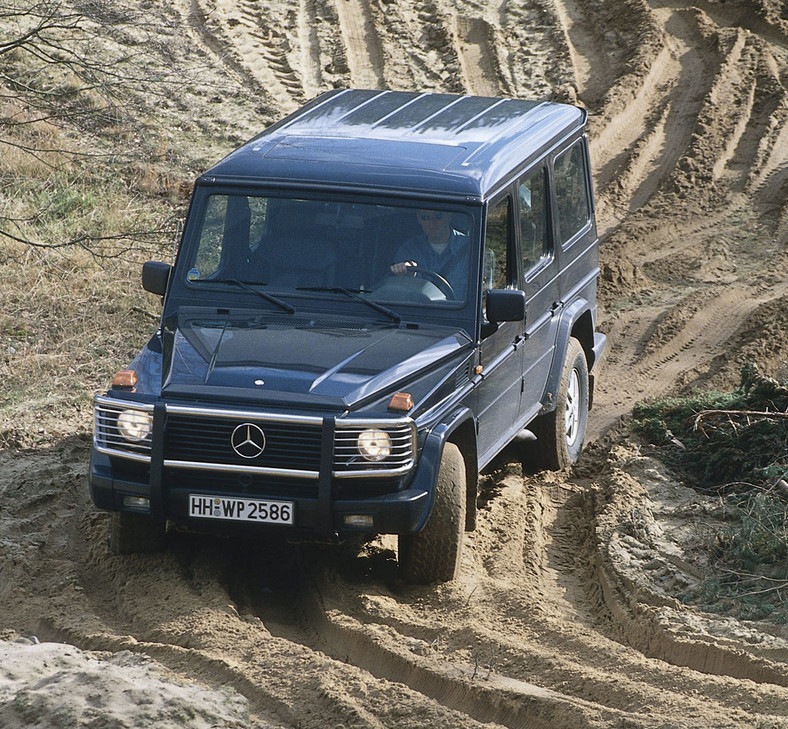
x=302 y=362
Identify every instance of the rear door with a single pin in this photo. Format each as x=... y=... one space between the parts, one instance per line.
x=574 y=222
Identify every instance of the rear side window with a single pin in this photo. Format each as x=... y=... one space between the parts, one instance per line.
x=534 y=240
x=571 y=191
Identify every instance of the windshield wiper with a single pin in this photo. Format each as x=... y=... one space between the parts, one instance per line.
x=396 y=318
x=262 y=294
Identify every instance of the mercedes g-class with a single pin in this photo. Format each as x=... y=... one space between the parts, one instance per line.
x=370 y=300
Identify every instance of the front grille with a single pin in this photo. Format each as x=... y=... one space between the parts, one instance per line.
x=208 y=440
x=286 y=446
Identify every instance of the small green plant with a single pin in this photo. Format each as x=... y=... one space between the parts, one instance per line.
x=718 y=439
x=736 y=445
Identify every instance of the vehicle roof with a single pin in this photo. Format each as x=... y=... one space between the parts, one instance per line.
x=444 y=145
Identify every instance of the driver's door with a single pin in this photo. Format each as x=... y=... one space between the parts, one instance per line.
x=500 y=352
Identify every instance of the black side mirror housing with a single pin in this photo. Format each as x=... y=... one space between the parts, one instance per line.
x=505 y=305
x=155 y=276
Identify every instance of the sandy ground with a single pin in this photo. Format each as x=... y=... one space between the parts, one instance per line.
x=562 y=616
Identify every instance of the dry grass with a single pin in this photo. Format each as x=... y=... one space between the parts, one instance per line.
x=72 y=310
x=95 y=172
x=71 y=306
x=67 y=322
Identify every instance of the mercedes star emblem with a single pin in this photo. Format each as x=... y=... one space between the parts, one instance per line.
x=248 y=440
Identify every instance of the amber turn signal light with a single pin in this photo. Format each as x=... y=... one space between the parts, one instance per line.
x=125 y=378
x=401 y=401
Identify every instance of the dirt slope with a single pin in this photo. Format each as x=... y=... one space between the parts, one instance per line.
x=556 y=620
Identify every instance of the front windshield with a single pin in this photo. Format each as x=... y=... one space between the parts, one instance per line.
x=387 y=253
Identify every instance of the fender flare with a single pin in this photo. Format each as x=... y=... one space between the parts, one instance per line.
x=458 y=427
x=569 y=317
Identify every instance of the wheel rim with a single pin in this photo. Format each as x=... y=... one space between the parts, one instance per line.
x=572 y=413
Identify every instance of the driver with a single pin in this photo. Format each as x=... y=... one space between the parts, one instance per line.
x=439 y=248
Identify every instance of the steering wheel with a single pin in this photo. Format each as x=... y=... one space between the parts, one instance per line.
x=437 y=280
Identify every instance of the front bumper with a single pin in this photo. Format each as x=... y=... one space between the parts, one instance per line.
x=308 y=461
x=399 y=512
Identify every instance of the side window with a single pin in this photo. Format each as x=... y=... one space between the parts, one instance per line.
x=534 y=240
x=497 y=270
x=571 y=190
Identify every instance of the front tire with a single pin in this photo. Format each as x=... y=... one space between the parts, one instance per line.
x=561 y=433
x=434 y=553
x=135 y=533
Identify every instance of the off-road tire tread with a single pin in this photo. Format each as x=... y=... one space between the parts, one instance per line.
x=434 y=553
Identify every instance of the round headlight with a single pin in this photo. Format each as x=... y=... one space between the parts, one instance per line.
x=374 y=445
x=135 y=425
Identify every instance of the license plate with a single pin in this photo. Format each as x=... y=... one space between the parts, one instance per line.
x=252 y=510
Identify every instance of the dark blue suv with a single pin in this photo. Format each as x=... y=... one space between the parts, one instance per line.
x=372 y=298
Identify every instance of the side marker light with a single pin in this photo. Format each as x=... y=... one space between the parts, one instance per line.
x=125 y=378
x=401 y=401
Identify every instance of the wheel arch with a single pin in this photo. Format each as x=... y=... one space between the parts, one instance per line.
x=464 y=437
x=460 y=428
x=577 y=322
x=583 y=331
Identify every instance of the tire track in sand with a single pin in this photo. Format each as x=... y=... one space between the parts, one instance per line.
x=682 y=358
x=194 y=609
x=475 y=42
x=309 y=648
x=639 y=147
x=395 y=655
x=593 y=69
x=260 y=48
x=535 y=56
x=449 y=642
x=362 y=45
x=309 y=43
x=714 y=152
x=195 y=18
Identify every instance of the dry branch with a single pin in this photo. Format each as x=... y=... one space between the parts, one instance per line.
x=757 y=414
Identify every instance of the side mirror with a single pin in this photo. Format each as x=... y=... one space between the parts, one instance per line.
x=155 y=276
x=505 y=305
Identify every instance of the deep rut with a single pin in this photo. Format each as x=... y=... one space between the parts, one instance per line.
x=362 y=45
x=379 y=631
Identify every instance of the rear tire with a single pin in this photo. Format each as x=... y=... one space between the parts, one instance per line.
x=560 y=434
x=434 y=553
x=135 y=533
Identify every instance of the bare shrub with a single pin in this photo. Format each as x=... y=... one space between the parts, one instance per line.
x=734 y=444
